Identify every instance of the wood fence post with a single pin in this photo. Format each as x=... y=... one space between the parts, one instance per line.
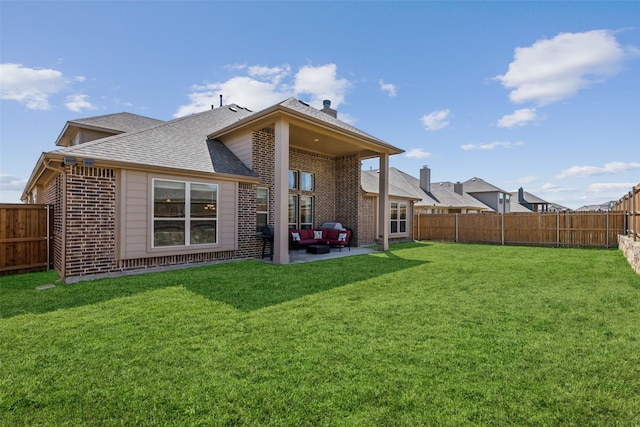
x=557 y=229
x=502 y=227
x=456 y=222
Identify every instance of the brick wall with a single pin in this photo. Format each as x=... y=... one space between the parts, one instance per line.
x=367 y=220
x=323 y=169
x=348 y=194
x=89 y=221
x=53 y=195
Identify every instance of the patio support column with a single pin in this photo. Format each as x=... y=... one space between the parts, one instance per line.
x=383 y=204
x=281 y=193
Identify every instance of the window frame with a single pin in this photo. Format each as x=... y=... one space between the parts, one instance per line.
x=303 y=181
x=398 y=214
x=265 y=212
x=189 y=215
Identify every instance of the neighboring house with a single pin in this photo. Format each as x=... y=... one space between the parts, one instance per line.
x=492 y=196
x=529 y=201
x=445 y=197
x=597 y=208
x=132 y=193
x=555 y=207
x=402 y=198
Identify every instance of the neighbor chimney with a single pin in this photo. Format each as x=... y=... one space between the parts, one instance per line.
x=425 y=179
x=326 y=104
x=457 y=188
x=520 y=195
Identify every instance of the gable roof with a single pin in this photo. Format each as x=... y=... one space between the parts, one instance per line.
x=179 y=144
x=528 y=198
x=445 y=194
x=398 y=187
x=110 y=123
x=477 y=185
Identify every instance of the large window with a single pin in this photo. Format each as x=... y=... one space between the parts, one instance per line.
x=398 y=217
x=293 y=180
x=184 y=213
x=306 y=181
x=306 y=212
x=262 y=208
x=293 y=211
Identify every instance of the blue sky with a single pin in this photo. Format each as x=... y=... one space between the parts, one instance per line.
x=539 y=95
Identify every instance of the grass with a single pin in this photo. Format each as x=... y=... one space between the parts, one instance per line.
x=424 y=334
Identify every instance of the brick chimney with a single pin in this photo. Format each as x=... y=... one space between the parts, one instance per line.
x=425 y=179
x=326 y=104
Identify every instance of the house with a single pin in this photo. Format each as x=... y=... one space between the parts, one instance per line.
x=131 y=193
x=492 y=196
x=402 y=198
x=529 y=201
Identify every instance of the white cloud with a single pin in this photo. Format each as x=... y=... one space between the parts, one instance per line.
x=527 y=179
x=550 y=187
x=491 y=145
x=388 y=87
x=518 y=118
x=418 y=153
x=321 y=83
x=617 y=187
x=78 y=103
x=608 y=168
x=11 y=183
x=274 y=74
x=554 y=69
x=30 y=86
x=264 y=86
x=436 y=120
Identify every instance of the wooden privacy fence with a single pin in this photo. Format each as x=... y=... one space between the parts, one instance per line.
x=25 y=238
x=588 y=229
x=629 y=204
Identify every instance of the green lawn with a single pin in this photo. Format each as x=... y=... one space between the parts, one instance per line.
x=424 y=334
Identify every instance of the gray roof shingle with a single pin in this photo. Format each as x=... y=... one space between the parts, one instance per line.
x=181 y=144
x=119 y=122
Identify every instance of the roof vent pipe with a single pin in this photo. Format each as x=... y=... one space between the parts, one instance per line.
x=221 y=100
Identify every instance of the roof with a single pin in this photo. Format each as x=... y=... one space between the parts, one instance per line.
x=297 y=105
x=445 y=194
x=397 y=184
x=110 y=123
x=528 y=198
x=120 y=122
x=477 y=185
x=181 y=144
x=402 y=184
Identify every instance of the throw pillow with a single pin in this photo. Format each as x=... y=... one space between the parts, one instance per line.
x=317 y=234
x=295 y=237
x=342 y=237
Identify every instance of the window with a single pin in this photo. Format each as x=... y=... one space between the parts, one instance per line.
x=398 y=217
x=293 y=211
x=306 y=181
x=500 y=197
x=184 y=213
x=262 y=208
x=293 y=180
x=306 y=212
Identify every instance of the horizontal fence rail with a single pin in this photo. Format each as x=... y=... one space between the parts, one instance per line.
x=583 y=229
x=25 y=238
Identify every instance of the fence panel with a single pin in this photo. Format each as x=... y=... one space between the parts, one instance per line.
x=24 y=238
x=575 y=229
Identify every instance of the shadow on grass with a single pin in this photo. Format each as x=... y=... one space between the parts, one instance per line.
x=244 y=285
